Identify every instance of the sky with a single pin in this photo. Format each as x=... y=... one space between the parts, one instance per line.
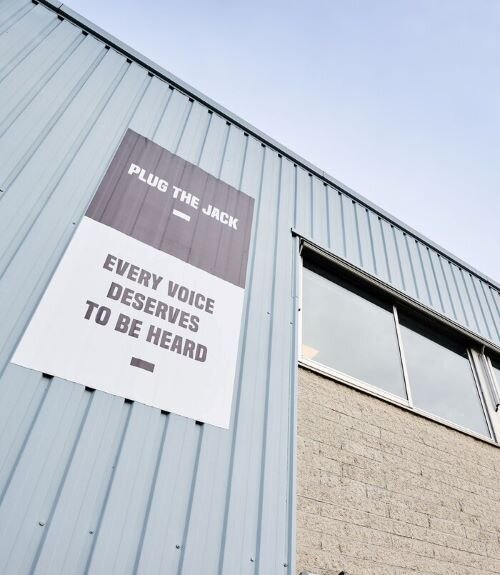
x=397 y=99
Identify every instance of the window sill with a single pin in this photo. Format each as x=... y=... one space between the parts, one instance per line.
x=388 y=398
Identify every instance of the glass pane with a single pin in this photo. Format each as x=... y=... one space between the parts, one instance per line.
x=351 y=332
x=496 y=373
x=440 y=376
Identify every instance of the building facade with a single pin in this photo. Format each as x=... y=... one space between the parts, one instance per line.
x=362 y=427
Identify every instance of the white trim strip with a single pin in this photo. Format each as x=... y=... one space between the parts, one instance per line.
x=181 y=215
x=402 y=355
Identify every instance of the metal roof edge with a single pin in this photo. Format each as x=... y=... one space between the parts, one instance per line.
x=151 y=66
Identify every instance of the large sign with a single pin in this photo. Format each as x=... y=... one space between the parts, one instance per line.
x=147 y=300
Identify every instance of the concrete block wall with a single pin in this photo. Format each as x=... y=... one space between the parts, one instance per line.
x=382 y=491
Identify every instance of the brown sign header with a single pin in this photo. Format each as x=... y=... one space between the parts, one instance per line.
x=174 y=206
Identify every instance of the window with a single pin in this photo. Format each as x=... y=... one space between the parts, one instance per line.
x=493 y=370
x=496 y=372
x=369 y=339
x=350 y=332
x=441 y=377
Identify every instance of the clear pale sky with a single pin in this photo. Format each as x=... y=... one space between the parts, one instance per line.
x=398 y=99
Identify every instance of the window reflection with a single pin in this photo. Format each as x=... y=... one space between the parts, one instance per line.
x=350 y=332
x=440 y=377
x=496 y=372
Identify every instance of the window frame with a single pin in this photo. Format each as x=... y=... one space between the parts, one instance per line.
x=474 y=344
x=493 y=381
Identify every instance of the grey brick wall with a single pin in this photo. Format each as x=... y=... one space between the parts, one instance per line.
x=382 y=491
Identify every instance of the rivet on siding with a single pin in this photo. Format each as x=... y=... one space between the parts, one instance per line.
x=285 y=564
x=91 y=531
x=177 y=546
x=41 y=523
x=252 y=559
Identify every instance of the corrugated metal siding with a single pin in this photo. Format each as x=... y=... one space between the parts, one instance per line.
x=347 y=228
x=90 y=483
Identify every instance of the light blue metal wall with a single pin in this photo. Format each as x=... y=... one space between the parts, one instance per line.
x=90 y=482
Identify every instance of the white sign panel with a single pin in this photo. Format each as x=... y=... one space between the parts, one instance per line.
x=147 y=300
